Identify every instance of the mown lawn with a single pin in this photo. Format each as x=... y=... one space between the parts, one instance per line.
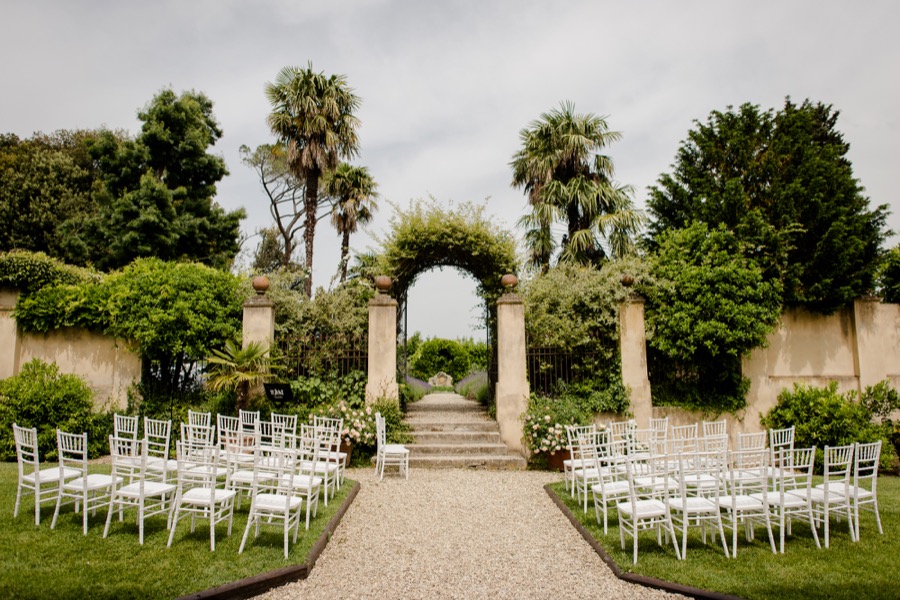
x=38 y=562
x=869 y=569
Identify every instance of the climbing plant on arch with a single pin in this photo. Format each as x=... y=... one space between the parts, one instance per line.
x=426 y=235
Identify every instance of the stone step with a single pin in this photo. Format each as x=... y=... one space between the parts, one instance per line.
x=430 y=424
x=420 y=449
x=465 y=406
x=456 y=437
x=468 y=461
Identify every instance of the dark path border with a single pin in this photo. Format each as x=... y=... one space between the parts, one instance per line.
x=259 y=584
x=643 y=580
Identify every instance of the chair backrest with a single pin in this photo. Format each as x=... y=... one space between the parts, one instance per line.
x=125 y=426
x=380 y=431
x=781 y=438
x=865 y=465
x=683 y=438
x=715 y=428
x=308 y=454
x=639 y=441
x=751 y=441
x=129 y=458
x=27 y=450
x=158 y=434
x=248 y=420
x=573 y=433
x=198 y=433
x=749 y=471
x=227 y=427
x=73 y=450
x=661 y=424
x=199 y=418
x=701 y=473
x=319 y=421
x=273 y=433
x=287 y=423
x=618 y=429
x=198 y=466
x=838 y=464
x=795 y=470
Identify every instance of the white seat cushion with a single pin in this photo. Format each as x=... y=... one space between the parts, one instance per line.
x=273 y=502
x=52 y=474
x=95 y=481
x=200 y=496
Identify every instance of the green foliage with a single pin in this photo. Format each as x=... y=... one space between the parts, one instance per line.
x=353 y=196
x=478 y=353
x=880 y=400
x=42 y=397
x=343 y=310
x=782 y=183
x=596 y=395
x=709 y=307
x=823 y=417
x=315 y=391
x=437 y=355
x=889 y=276
x=428 y=235
x=240 y=369
x=29 y=271
x=545 y=420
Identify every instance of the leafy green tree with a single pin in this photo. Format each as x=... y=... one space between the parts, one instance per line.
x=567 y=180
x=312 y=117
x=353 y=195
x=154 y=194
x=782 y=183
x=285 y=192
x=710 y=305
x=889 y=276
x=436 y=355
x=269 y=254
x=44 y=182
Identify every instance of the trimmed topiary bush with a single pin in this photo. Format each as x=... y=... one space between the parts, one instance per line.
x=437 y=355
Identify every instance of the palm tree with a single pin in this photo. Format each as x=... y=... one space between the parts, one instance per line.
x=312 y=117
x=353 y=195
x=567 y=180
x=240 y=369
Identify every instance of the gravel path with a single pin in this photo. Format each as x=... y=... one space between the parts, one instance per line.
x=458 y=534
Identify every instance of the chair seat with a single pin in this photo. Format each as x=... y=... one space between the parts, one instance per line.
x=845 y=489
x=742 y=501
x=302 y=481
x=52 y=474
x=95 y=481
x=790 y=500
x=818 y=495
x=201 y=497
x=613 y=487
x=574 y=463
x=693 y=505
x=151 y=488
x=394 y=449
x=159 y=464
x=272 y=502
x=245 y=476
x=655 y=482
x=642 y=509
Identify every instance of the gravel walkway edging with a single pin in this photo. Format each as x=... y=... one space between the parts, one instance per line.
x=651 y=582
x=259 y=584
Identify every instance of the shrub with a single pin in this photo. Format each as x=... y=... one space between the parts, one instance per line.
x=437 y=355
x=545 y=420
x=823 y=417
x=31 y=271
x=42 y=397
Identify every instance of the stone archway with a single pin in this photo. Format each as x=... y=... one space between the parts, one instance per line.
x=427 y=236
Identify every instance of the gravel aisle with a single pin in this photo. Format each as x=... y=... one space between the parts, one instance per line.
x=458 y=534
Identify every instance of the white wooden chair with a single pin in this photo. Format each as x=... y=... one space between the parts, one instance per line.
x=158 y=434
x=275 y=499
x=683 y=438
x=640 y=513
x=43 y=483
x=389 y=454
x=248 y=419
x=863 y=489
x=199 y=418
x=88 y=491
x=714 y=428
x=337 y=425
x=696 y=502
x=609 y=489
x=198 y=493
x=307 y=481
x=573 y=434
x=827 y=498
x=789 y=498
x=125 y=426
x=746 y=500
x=148 y=496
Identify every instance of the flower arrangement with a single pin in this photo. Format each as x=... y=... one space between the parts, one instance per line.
x=544 y=423
x=359 y=423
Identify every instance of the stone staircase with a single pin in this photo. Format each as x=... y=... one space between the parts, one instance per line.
x=452 y=432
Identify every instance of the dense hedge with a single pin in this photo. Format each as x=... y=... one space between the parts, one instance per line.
x=31 y=271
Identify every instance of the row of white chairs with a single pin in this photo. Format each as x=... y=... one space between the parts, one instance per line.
x=658 y=489
x=144 y=477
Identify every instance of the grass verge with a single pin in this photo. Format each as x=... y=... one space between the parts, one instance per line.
x=846 y=570
x=62 y=563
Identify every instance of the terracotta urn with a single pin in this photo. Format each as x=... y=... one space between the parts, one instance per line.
x=382 y=283
x=260 y=284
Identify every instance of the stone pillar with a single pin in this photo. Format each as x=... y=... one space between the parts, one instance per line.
x=512 y=376
x=871 y=357
x=9 y=334
x=633 y=348
x=259 y=316
x=382 y=380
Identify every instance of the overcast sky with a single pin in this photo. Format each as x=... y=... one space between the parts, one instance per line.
x=447 y=85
